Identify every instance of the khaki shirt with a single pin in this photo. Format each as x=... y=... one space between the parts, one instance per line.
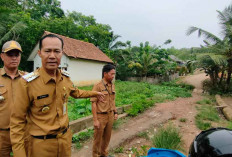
x=7 y=92
x=109 y=101
x=44 y=100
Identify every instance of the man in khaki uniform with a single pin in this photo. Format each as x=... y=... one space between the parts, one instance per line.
x=9 y=78
x=104 y=112
x=43 y=96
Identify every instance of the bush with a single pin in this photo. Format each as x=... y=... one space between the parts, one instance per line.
x=216 y=89
x=167 y=137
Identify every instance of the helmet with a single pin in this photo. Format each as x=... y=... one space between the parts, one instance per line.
x=215 y=142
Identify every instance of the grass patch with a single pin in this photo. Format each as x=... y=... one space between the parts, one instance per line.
x=142 y=151
x=167 y=137
x=229 y=126
x=119 y=150
x=78 y=139
x=206 y=115
x=143 y=135
x=183 y=120
x=117 y=123
x=204 y=102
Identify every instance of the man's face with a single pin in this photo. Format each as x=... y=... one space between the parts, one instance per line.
x=11 y=59
x=51 y=53
x=110 y=75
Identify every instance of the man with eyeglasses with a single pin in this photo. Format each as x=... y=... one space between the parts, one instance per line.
x=9 y=78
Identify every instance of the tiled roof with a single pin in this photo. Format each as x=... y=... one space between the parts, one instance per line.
x=80 y=49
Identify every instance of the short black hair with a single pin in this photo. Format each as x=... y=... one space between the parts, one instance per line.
x=107 y=68
x=50 y=36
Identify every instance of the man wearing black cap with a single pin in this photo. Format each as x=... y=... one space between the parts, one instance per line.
x=9 y=77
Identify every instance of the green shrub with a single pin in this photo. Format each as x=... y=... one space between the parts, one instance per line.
x=78 y=108
x=167 y=137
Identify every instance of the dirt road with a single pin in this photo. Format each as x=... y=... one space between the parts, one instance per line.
x=174 y=110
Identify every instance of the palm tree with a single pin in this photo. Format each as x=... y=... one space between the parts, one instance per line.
x=7 y=18
x=12 y=33
x=217 y=46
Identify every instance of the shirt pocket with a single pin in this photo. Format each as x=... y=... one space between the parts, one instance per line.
x=3 y=95
x=42 y=106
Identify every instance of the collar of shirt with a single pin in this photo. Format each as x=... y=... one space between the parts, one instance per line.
x=3 y=73
x=106 y=83
x=46 y=77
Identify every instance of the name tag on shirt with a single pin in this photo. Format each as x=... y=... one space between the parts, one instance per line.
x=42 y=96
x=64 y=108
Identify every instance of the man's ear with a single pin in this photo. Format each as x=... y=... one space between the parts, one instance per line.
x=2 y=57
x=39 y=53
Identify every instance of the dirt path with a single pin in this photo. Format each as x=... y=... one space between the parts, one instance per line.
x=180 y=108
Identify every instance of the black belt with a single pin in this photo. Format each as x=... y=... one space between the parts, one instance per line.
x=52 y=136
x=104 y=112
x=7 y=129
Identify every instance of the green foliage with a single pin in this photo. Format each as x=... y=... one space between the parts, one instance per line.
x=78 y=108
x=203 y=125
x=119 y=150
x=183 y=54
x=26 y=21
x=181 y=85
x=143 y=61
x=167 y=137
x=216 y=54
x=217 y=89
x=140 y=95
x=206 y=114
x=140 y=92
x=78 y=139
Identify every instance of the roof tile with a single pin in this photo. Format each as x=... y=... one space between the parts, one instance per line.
x=80 y=49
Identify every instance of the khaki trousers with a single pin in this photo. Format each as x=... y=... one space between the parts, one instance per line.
x=5 y=144
x=57 y=147
x=103 y=134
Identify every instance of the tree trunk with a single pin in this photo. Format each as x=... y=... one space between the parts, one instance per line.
x=229 y=73
x=221 y=78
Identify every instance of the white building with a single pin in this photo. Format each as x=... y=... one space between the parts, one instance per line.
x=82 y=60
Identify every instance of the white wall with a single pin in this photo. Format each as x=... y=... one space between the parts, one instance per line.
x=38 y=64
x=85 y=72
x=82 y=72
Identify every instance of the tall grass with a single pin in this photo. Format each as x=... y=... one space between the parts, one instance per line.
x=167 y=137
x=206 y=114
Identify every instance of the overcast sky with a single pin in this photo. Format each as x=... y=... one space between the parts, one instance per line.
x=153 y=20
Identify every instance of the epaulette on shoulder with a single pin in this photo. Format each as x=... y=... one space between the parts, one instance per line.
x=22 y=72
x=31 y=76
x=65 y=73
